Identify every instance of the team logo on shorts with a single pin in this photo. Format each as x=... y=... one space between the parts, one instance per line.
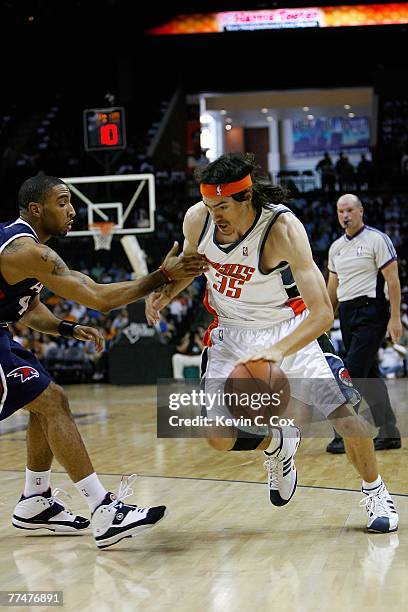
x=345 y=377
x=24 y=372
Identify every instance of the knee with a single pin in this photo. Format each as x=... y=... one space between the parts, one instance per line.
x=352 y=427
x=346 y=427
x=56 y=401
x=58 y=394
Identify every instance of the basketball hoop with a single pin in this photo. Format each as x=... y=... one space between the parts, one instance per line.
x=102 y=234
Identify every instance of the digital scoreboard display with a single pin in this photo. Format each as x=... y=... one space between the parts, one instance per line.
x=104 y=129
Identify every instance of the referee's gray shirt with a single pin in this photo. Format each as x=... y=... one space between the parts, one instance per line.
x=356 y=260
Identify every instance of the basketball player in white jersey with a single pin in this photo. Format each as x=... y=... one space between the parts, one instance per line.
x=269 y=301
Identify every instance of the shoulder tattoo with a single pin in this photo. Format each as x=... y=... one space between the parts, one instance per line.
x=59 y=267
x=14 y=246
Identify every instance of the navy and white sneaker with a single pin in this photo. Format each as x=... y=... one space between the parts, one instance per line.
x=382 y=516
x=112 y=520
x=280 y=465
x=46 y=511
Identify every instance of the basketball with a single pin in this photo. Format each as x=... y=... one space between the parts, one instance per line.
x=257 y=389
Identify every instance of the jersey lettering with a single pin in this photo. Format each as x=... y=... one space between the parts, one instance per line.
x=37 y=287
x=25 y=301
x=16 y=299
x=231 y=278
x=233 y=291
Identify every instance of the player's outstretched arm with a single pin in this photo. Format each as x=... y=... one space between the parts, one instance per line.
x=24 y=258
x=192 y=227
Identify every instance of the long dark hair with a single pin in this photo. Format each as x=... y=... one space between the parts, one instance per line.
x=233 y=167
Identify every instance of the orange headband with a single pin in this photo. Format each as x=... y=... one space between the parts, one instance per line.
x=225 y=189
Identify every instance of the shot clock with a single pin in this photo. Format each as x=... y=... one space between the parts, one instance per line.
x=104 y=129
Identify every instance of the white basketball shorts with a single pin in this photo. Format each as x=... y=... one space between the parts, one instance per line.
x=316 y=374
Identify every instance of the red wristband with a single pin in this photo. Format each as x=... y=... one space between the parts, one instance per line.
x=165 y=274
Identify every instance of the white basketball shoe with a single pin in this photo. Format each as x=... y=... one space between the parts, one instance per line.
x=113 y=520
x=47 y=511
x=282 y=474
x=382 y=516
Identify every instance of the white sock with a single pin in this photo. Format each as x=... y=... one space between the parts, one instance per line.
x=36 y=482
x=275 y=441
x=92 y=490
x=372 y=485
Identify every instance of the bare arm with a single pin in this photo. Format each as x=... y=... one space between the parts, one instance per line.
x=288 y=231
x=24 y=258
x=394 y=326
x=192 y=227
x=332 y=284
x=40 y=318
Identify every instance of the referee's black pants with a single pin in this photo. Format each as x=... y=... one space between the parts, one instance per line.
x=363 y=324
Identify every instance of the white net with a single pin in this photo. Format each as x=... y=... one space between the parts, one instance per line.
x=102 y=235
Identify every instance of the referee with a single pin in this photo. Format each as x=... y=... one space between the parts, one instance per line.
x=355 y=282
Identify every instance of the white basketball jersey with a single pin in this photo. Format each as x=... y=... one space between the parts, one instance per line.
x=238 y=293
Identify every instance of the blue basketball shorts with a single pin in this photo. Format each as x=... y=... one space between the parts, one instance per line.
x=22 y=377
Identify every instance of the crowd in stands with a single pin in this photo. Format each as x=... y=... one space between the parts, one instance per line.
x=342 y=175
x=47 y=149
x=186 y=312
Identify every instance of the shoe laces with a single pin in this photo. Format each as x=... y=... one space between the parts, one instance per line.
x=376 y=503
x=272 y=467
x=125 y=490
x=55 y=493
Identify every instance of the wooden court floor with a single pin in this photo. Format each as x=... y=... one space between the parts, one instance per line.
x=223 y=547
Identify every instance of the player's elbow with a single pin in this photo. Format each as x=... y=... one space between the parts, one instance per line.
x=326 y=316
x=104 y=299
x=99 y=302
x=323 y=315
x=105 y=307
x=105 y=310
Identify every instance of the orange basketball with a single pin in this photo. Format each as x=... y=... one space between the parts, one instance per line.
x=258 y=391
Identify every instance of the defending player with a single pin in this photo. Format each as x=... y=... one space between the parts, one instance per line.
x=26 y=265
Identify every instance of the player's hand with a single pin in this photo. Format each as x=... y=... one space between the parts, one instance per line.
x=270 y=354
x=85 y=333
x=394 y=328
x=154 y=303
x=183 y=266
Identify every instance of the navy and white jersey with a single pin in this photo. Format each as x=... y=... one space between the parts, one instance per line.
x=15 y=299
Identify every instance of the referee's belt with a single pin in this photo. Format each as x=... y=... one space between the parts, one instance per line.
x=361 y=300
